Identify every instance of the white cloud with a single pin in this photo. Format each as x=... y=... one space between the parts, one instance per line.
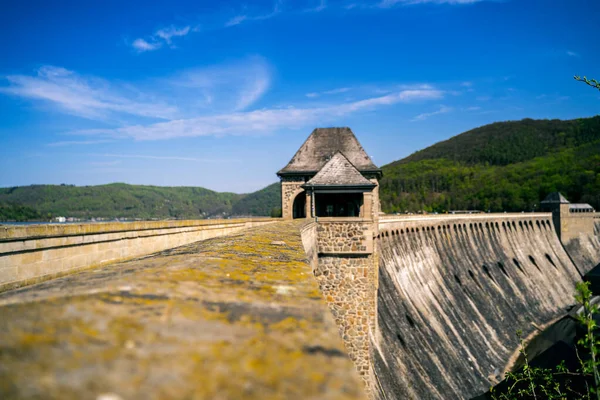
x=244 y=17
x=573 y=54
x=260 y=121
x=221 y=88
x=320 y=7
x=424 y=116
x=163 y=158
x=391 y=3
x=473 y=108
x=85 y=97
x=211 y=101
x=77 y=142
x=466 y=84
x=104 y=163
x=167 y=33
x=142 y=45
x=328 y=92
x=150 y=157
x=159 y=38
x=337 y=91
x=236 y=20
x=233 y=86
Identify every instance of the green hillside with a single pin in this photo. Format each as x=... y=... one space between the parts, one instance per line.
x=505 y=166
x=266 y=201
x=117 y=200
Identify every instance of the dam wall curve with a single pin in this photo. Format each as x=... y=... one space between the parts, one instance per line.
x=453 y=291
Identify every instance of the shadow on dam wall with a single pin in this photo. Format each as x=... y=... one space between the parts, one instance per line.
x=452 y=294
x=585 y=253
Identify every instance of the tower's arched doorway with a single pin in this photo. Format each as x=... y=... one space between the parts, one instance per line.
x=299 y=208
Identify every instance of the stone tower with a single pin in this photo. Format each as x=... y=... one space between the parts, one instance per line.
x=317 y=150
x=570 y=219
x=332 y=179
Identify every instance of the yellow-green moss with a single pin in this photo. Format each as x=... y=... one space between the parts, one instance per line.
x=232 y=317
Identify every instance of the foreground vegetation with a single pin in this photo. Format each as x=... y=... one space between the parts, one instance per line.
x=560 y=383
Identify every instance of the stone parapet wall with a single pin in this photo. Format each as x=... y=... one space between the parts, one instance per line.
x=237 y=317
x=29 y=254
x=345 y=236
x=346 y=271
x=348 y=285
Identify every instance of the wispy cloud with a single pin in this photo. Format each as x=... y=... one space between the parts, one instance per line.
x=150 y=157
x=318 y=8
x=424 y=116
x=572 y=54
x=262 y=121
x=164 y=37
x=104 y=163
x=328 y=92
x=142 y=45
x=212 y=101
x=85 y=97
x=161 y=37
x=238 y=19
x=168 y=33
x=78 y=142
x=234 y=86
x=165 y=158
x=391 y=3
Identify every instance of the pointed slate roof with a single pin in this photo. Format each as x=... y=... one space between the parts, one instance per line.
x=555 y=197
x=321 y=145
x=339 y=171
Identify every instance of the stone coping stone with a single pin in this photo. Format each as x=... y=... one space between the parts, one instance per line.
x=342 y=219
x=11 y=232
x=233 y=317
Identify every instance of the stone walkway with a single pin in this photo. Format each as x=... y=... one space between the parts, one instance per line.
x=236 y=317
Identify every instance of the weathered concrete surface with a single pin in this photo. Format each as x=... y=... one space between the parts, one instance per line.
x=227 y=318
x=33 y=253
x=585 y=249
x=452 y=293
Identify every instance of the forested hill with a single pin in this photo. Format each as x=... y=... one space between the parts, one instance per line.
x=505 y=166
x=503 y=143
x=266 y=201
x=120 y=200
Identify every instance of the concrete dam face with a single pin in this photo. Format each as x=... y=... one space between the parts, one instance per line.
x=452 y=294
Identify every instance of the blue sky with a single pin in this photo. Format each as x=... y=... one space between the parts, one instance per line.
x=221 y=94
